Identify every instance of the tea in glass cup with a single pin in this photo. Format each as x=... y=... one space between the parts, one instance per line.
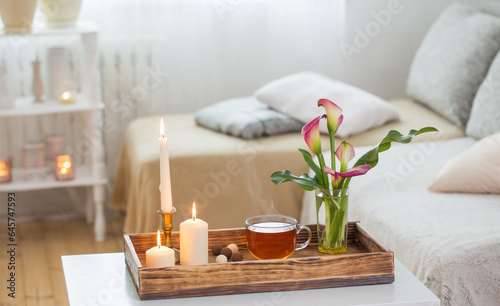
x=274 y=236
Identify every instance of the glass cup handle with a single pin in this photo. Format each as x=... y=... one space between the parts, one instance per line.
x=301 y=246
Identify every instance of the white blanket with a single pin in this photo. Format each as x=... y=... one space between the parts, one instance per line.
x=451 y=242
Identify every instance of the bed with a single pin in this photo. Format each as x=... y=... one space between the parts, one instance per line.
x=228 y=177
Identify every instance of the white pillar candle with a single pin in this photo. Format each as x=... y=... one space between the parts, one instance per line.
x=165 y=187
x=194 y=241
x=160 y=256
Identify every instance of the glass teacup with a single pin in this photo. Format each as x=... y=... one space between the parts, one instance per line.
x=274 y=236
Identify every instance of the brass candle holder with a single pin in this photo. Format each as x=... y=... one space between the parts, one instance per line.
x=167 y=225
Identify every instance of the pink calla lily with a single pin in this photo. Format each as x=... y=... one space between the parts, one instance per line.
x=334 y=115
x=345 y=153
x=335 y=203
x=338 y=176
x=359 y=170
x=341 y=119
x=312 y=136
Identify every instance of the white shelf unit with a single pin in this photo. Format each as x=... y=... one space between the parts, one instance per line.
x=83 y=178
x=82 y=27
x=88 y=104
x=25 y=106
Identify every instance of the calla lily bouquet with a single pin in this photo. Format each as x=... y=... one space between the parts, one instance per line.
x=329 y=181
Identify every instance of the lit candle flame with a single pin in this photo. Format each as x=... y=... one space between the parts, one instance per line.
x=64 y=170
x=158 y=239
x=67 y=164
x=162 y=129
x=66 y=95
x=4 y=169
x=194 y=211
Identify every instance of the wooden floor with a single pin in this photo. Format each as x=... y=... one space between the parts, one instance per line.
x=40 y=245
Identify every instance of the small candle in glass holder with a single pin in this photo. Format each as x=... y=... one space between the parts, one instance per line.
x=34 y=160
x=66 y=98
x=63 y=168
x=54 y=146
x=5 y=171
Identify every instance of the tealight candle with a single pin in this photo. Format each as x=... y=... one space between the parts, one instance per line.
x=194 y=241
x=160 y=256
x=66 y=98
x=5 y=171
x=63 y=168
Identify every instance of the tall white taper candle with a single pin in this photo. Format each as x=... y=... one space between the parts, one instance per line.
x=165 y=187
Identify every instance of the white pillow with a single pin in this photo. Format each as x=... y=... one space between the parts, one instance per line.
x=476 y=170
x=297 y=96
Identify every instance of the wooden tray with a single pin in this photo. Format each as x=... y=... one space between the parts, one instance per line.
x=365 y=262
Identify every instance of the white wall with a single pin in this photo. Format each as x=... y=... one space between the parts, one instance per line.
x=382 y=66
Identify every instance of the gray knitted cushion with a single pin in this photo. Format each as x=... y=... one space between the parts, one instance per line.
x=247 y=118
x=453 y=60
x=484 y=117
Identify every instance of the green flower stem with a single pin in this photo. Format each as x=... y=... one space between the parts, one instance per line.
x=341 y=220
x=328 y=225
x=333 y=236
x=334 y=233
x=321 y=159
x=346 y=182
x=332 y=152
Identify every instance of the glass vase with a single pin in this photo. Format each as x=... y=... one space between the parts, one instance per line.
x=332 y=229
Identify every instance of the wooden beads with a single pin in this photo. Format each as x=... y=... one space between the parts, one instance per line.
x=233 y=247
x=237 y=256
x=225 y=253
x=221 y=259
x=216 y=249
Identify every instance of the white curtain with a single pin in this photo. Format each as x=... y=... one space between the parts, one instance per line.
x=171 y=56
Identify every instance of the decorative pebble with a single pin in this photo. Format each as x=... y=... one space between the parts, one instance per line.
x=216 y=249
x=237 y=256
x=221 y=259
x=233 y=247
x=227 y=252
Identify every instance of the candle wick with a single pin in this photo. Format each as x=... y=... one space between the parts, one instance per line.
x=194 y=218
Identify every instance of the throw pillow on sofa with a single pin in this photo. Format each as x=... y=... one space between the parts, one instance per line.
x=473 y=171
x=484 y=117
x=246 y=118
x=453 y=60
x=296 y=95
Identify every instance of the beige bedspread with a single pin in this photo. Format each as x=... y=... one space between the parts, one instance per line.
x=227 y=177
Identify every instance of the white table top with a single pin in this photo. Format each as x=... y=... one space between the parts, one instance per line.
x=103 y=279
